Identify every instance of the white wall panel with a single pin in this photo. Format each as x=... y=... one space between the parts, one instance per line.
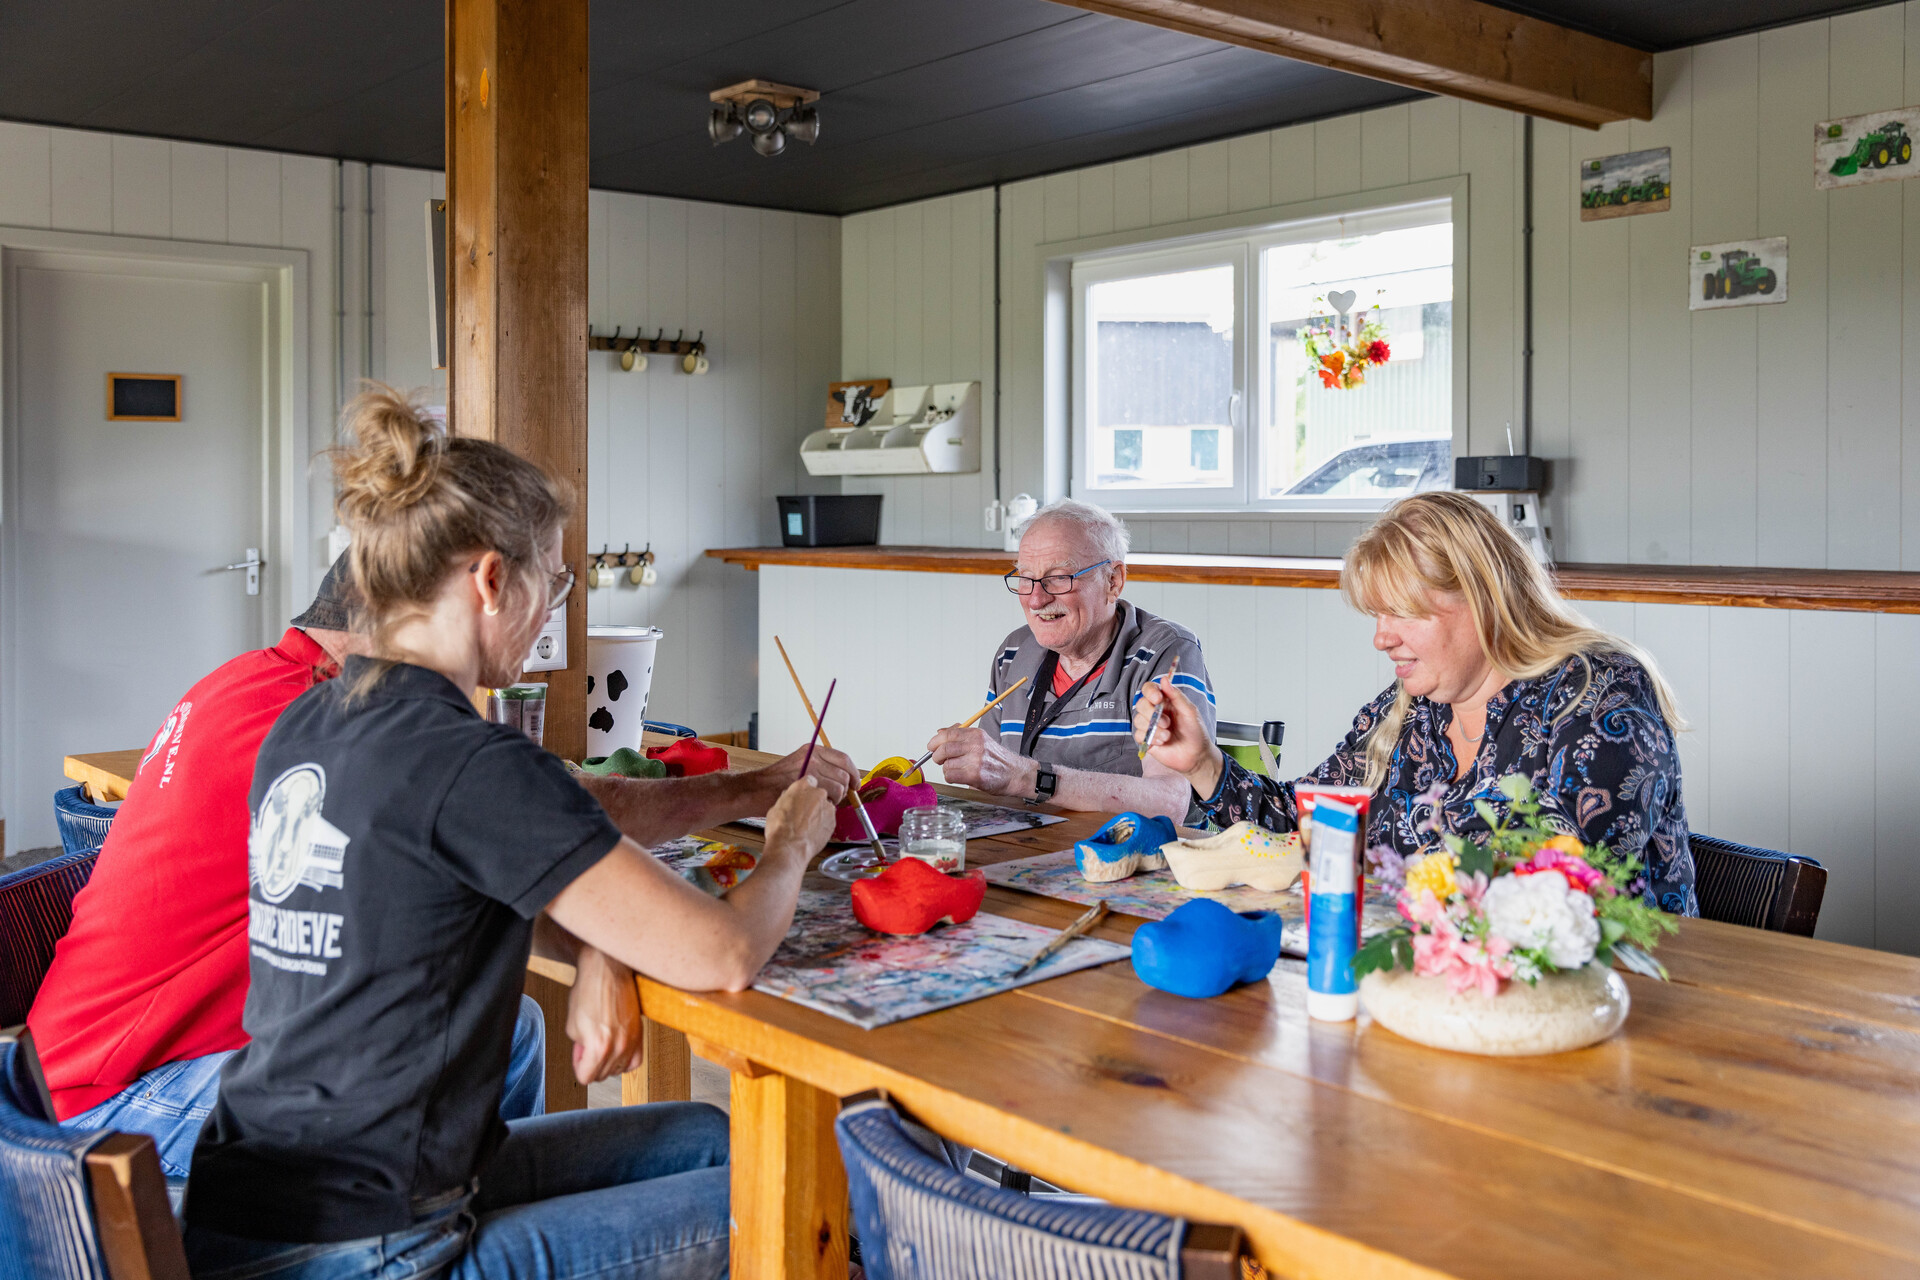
x=142 y=186
x=82 y=180
x=26 y=161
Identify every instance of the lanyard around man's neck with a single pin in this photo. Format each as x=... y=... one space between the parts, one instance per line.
x=1040 y=713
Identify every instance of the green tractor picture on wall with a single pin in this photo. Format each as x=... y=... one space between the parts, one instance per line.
x=1890 y=144
x=1740 y=274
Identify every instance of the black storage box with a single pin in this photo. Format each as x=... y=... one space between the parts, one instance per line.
x=830 y=520
x=1500 y=471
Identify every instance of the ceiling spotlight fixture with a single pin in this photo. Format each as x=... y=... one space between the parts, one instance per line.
x=768 y=113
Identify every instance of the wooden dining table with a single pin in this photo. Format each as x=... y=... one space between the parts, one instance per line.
x=1758 y=1115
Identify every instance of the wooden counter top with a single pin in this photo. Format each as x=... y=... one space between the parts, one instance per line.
x=1859 y=590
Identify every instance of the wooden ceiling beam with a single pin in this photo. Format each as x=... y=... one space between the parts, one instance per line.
x=1461 y=48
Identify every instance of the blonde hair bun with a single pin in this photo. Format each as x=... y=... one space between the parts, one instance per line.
x=418 y=499
x=394 y=456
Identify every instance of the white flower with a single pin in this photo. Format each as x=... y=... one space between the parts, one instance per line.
x=1543 y=912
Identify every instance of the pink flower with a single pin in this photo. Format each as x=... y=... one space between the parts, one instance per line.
x=1580 y=873
x=1442 y=950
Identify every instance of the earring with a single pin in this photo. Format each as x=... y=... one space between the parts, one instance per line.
x=493 y=611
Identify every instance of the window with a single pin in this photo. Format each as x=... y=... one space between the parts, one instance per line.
x=1169 y=344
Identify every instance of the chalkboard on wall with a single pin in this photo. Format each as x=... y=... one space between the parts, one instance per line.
x=143 y=397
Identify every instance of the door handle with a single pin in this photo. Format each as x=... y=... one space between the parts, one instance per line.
x=252 y=565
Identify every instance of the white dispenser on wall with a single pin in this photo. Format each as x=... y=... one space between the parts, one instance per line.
x=922 y=430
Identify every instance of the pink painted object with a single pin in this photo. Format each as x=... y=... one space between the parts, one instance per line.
x=886 y=801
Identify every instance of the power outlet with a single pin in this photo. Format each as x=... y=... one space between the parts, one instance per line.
x=549 y=652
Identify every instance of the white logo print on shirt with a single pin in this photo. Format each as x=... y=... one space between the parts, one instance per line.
x=292 y=844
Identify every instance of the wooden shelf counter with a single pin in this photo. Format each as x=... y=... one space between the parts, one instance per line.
x=1856 y=590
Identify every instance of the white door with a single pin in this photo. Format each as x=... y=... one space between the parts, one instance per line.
x=116 y=531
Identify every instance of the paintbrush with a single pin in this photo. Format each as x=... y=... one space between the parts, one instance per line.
x=1091 y=917
x=818 y=721
x=1154 y=722
x=859 y=806
x=973 y=719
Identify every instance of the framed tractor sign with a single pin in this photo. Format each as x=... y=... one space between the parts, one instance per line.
x=1742 y=273
x=1877 y=147
x=1622 y=185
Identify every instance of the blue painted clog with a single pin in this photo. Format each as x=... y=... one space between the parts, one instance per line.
x=1204 y=948
x=1127 y=844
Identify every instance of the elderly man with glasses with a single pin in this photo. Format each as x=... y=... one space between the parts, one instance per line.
x=1066 y=736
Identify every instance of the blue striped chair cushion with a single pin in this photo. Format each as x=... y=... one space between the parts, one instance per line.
x=920 y=1219
x=46 y=1215
x=36 y=906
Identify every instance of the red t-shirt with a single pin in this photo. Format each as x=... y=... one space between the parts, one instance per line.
x=154 y=969
x=1063 y=682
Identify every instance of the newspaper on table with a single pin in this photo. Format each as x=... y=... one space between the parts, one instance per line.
x=1152 y=895
x=831 y=962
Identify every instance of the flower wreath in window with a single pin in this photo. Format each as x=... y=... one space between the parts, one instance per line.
x=1342 y=348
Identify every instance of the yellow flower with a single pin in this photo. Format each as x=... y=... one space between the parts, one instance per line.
x=1435 y=872
x=1568 y=845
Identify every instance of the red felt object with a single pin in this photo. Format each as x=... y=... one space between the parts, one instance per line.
x=910 y=897
x=886 y=801
x=689 y=758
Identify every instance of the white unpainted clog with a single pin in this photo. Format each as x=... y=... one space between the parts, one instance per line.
x=1242 y=854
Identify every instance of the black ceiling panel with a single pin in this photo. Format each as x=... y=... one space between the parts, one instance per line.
x=919 y=97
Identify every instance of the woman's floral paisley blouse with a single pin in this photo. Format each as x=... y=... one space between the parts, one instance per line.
x=1599 y=754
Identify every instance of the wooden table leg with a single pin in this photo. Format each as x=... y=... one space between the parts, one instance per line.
x=789 y=1188
x=564 y=1093
x=666 y=1075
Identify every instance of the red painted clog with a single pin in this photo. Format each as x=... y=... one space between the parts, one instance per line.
x=689 y=758
x=910 y=898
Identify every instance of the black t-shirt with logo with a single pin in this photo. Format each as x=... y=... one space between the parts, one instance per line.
x=401 y=847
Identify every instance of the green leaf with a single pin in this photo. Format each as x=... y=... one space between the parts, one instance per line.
x=1515 y=786
x=1403 y=950
x=1639 y=961
x=1376 y=952
x=1611 y=931
x=1476 y=858
x=1487 y=814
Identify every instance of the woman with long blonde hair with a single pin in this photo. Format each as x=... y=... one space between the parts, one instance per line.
x=1494 y=674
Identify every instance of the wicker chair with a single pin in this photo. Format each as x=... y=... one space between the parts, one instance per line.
x=83 y=824
x=36 y=906
x=1759 y=888
x=917 y=1218
x=76 y=1206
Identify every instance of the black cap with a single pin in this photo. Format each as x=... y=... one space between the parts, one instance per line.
x=334 y=601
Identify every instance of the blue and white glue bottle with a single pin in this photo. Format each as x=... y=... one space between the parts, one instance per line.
x=1333 y=927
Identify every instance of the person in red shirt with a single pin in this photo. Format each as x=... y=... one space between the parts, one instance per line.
x=142 y=1004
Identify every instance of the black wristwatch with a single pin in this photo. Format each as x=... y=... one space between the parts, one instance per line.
x=1044 y=784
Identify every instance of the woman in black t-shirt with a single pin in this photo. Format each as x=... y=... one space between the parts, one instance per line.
x=404 y=857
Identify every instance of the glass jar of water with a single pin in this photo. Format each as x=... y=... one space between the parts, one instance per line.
x=935 y=834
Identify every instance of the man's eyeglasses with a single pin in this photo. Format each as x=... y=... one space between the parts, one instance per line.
x=1054 y=584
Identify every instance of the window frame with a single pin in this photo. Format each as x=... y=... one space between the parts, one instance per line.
x=1069 y=265
x=1087 y=272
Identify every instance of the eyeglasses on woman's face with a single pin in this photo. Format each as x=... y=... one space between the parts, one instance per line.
x=1054 y=584
x=559 y=587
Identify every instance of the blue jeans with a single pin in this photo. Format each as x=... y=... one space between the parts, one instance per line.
x=171 y=1102
x=629 y=1192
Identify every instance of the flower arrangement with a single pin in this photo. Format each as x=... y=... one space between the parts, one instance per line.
x=1341 y=350
x=1528 y=901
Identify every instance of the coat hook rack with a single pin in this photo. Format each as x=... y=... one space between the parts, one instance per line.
x=692 y=352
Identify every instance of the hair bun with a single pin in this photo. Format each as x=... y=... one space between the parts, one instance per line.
x=393 y=456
